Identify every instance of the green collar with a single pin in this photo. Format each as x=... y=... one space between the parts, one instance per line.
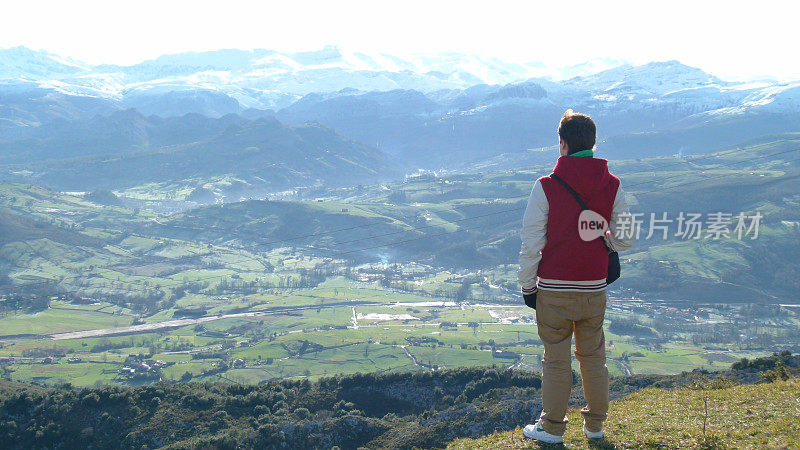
x=584 y=153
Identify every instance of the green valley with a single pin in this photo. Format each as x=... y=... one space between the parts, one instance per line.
x=413 y=275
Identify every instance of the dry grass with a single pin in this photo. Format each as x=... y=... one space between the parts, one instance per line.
x=740 y=416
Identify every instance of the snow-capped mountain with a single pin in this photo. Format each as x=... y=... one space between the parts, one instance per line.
x=268 y=79
x=69 y=122
x=22 y=62
x=427 y=110
x=671 y=85
x=229 y=81
x=265 y=78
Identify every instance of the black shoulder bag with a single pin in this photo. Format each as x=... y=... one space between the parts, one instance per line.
x=613 y=257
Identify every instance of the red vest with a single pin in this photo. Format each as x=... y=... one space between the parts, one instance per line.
x=566 y=256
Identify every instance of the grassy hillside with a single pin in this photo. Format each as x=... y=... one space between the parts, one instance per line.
x=717 y=415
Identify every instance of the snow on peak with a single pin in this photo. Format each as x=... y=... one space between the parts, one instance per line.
x=22 y=62
x=652 y=79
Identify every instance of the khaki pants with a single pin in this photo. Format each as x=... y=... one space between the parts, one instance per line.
x=558 y=314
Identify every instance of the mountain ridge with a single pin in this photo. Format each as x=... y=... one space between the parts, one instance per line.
x=268 y=78
x=127 y=148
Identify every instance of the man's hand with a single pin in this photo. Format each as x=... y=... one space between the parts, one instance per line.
x=530 y=299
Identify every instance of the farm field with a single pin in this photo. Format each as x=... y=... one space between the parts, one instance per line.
x=340 y=327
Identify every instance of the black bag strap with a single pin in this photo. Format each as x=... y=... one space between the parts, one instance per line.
x=571 y=191
x=577 y=198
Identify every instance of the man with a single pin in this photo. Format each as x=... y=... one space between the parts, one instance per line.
x=563 y=275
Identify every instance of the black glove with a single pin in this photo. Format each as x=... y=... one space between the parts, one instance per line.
x=530 y=300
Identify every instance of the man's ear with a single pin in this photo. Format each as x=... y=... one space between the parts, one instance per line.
x=563 y=147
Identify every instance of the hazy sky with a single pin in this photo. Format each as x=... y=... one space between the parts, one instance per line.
x=732 y=39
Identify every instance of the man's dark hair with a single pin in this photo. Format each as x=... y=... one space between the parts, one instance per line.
x=578 y=131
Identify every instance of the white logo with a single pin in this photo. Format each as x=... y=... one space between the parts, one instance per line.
x=591 y=225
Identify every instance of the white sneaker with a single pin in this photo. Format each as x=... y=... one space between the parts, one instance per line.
x=592 y=434
x=536 y=432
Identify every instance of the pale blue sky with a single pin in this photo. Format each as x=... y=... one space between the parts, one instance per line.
x=732 y=39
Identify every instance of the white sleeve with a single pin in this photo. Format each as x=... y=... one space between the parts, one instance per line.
x=533 y=236
x=620 y=209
